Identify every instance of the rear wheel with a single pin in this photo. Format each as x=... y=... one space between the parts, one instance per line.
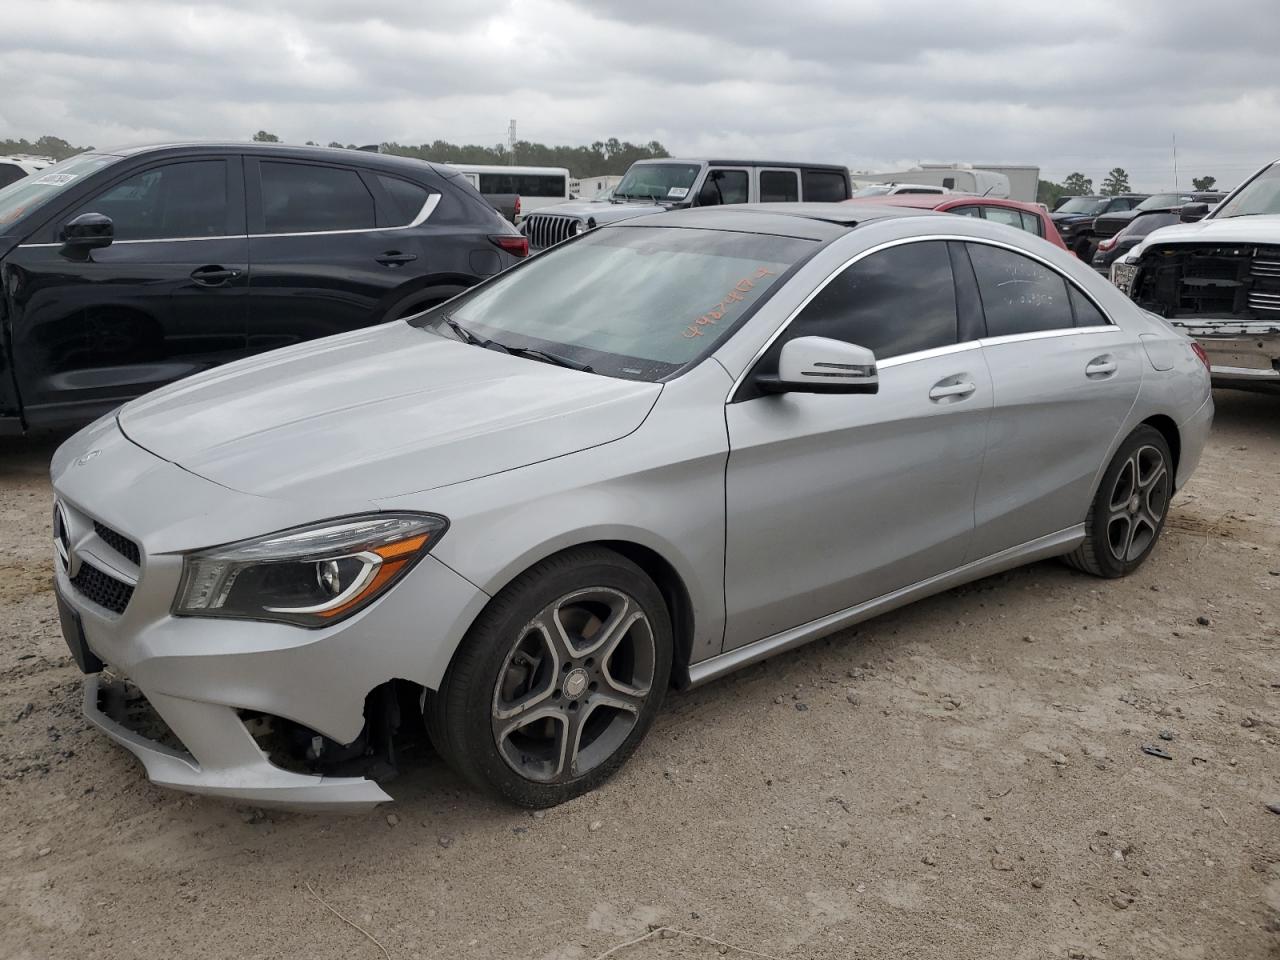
x=558 y=680
x=1129 y=509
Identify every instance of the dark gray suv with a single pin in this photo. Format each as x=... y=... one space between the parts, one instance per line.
x=122 y=270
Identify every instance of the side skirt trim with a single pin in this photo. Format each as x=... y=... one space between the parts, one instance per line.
x=1055 y=544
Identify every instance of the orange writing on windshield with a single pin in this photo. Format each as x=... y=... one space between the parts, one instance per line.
x=735 y=295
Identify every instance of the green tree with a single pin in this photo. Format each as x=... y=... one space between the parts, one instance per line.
x=1077 y=185
x=1050 y=193
x=1117 y=182
x=1203 y=183
x=54 y=147
x=612 y=156
x=263 y=137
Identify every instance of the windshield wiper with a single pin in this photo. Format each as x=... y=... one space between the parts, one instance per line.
x=554 y=358
x=463 y=334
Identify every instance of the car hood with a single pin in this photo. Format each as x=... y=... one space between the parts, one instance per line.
x=1259 y=229
x=602 y=211
x=1069 y=218
x=378 y=413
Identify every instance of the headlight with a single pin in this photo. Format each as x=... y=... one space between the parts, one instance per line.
x=1123 y=274
x=311 y=576
x=577 y=228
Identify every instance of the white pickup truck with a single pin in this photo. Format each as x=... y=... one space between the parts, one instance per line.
x=1218 y=280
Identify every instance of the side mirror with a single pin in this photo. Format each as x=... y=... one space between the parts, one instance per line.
x=89 y=231
x=822 y=365
x=1191 y=212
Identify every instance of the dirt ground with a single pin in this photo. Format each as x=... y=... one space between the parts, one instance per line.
x=963 y=778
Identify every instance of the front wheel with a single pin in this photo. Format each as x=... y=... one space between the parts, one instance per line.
x=557 y=681
x=1129 y=509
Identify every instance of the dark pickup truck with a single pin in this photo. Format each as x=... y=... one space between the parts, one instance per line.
x=123 y=270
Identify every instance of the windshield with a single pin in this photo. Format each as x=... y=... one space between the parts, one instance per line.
x=632 y=302
x=877 y=191
x=1085 y=205
x=1163 y=201
x=1259 y=195
x=1143 y=225
x=23 y=196
x=657 y=181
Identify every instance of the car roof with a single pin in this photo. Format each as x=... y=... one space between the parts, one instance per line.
x=368 y=158
x=810 y=221
x=748 y=163
x=935 y=201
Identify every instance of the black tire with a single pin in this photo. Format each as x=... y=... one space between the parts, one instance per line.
x=595 y=712
x=1129 y=509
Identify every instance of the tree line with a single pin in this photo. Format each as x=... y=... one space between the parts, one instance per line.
x=601 y=158
x=1115 y=183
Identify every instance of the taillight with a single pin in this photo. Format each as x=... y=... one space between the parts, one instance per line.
x=513 y=243
x=1204 y=357
x=517 y=207
x=1107 y=244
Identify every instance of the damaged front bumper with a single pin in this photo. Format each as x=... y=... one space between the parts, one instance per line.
x=231 y=763
x=1243 y=354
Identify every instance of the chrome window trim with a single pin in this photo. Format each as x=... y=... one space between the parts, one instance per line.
x=935 y=351
x=424 y=214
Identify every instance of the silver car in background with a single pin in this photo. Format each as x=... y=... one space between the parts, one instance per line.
x=659 y=452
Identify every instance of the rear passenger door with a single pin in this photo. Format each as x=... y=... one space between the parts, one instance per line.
x=1064 y=377
x=835 y=499
x=325 y=247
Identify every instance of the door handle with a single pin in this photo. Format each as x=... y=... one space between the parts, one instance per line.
x=1100 y=367
x=393 y=258
x=213 y=276
x=959 y=390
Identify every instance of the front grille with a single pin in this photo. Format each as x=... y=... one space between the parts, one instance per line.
x=1264 y=301
x=118 y=542
x=1103 y=227
x=102 y=588
x=1266 y=268
x=545 y=230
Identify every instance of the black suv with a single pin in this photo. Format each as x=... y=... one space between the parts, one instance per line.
x=124 y=270
x=1074 y=219
x=1110 y=224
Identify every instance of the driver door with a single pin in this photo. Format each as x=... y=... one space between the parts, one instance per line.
x=723 y=185
x=836 y=499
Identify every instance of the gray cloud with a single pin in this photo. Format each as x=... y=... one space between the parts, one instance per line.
x=1087 y=85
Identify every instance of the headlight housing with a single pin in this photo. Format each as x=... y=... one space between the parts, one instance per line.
x=577 y=227
x=311 y=576
x=1123 y=273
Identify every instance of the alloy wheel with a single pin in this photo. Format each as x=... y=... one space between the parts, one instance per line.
x=573 y=684
x=1137 y=504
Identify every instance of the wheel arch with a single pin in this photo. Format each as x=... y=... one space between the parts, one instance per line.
x=1169 y=430
x=420 y=289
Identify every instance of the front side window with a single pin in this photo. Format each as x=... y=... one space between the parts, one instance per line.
x=823 y=186
x=900 y=300
x=9 y=173
x=309 y=198
x=1019 y=295
x=632 y=302
x=779 y=186
x=723 y=186
x=175 y=201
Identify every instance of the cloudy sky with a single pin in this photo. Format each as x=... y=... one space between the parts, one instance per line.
x=1082 y=85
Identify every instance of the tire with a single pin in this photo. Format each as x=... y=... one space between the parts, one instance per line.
x=1129 y=510
x=538 y=715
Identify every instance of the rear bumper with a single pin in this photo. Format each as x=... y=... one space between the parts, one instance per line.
x=231 y=764
x=1241 y=354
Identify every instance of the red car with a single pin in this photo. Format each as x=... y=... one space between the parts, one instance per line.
x=1030 y=217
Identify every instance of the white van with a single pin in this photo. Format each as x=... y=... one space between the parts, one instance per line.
x=16 y=167
x=536 y=187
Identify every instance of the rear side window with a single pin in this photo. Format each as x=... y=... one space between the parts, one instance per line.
x=779 y=186
x=723 y=186
x=1010 y=218
x=10 y=172
x=966 y=211
x=175 y=201
x=823 y=186
x=1019 y=295
x=1032 y=224
x=1086 y=314
x=309 y=198
x=900 y=300
x=407 y=199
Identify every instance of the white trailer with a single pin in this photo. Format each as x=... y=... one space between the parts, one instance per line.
x=959 y=178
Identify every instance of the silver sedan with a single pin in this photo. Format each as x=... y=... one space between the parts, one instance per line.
x=652 y=455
